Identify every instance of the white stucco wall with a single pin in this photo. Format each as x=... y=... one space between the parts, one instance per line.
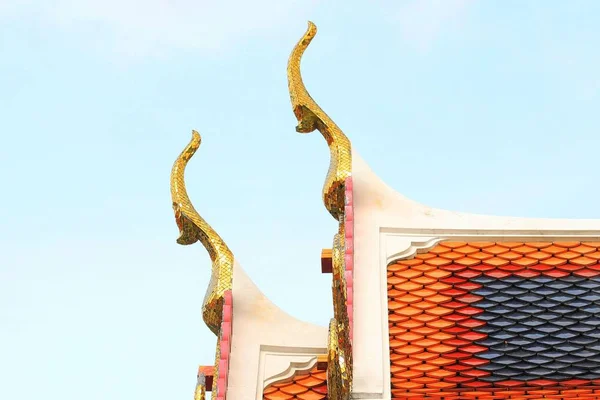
x=266 y=341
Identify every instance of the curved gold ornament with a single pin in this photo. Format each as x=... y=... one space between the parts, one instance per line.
x=193 y=228
x=310 y=117
x=337 y=369
x=341 y=368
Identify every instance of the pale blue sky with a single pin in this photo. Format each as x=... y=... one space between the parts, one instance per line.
x=488 y=107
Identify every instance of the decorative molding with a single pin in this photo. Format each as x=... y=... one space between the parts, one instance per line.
x=278 y=363
x=405 y=243
x=498 y=233
x=294 y=366
x=402 y=247
x=366 y=396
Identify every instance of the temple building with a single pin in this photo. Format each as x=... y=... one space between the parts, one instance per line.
x=428 y=303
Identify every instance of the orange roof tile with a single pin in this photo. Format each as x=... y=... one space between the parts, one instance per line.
x=433 y=313
x=305 y=385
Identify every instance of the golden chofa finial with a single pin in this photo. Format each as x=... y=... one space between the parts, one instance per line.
x=193 y=228
x=311 y=117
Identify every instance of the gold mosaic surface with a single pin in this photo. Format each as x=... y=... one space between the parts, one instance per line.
x=193 y=228
x=311 y=117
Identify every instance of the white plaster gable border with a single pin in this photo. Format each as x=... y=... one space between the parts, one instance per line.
x=277 y=363
x=401 y=243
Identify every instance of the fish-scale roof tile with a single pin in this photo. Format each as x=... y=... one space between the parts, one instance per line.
x=493 y=320
x=304 y=385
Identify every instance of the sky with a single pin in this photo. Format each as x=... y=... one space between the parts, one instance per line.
x=477 y=106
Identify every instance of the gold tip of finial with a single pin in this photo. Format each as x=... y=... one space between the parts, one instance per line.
x=187 y=231
x=196 y=135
